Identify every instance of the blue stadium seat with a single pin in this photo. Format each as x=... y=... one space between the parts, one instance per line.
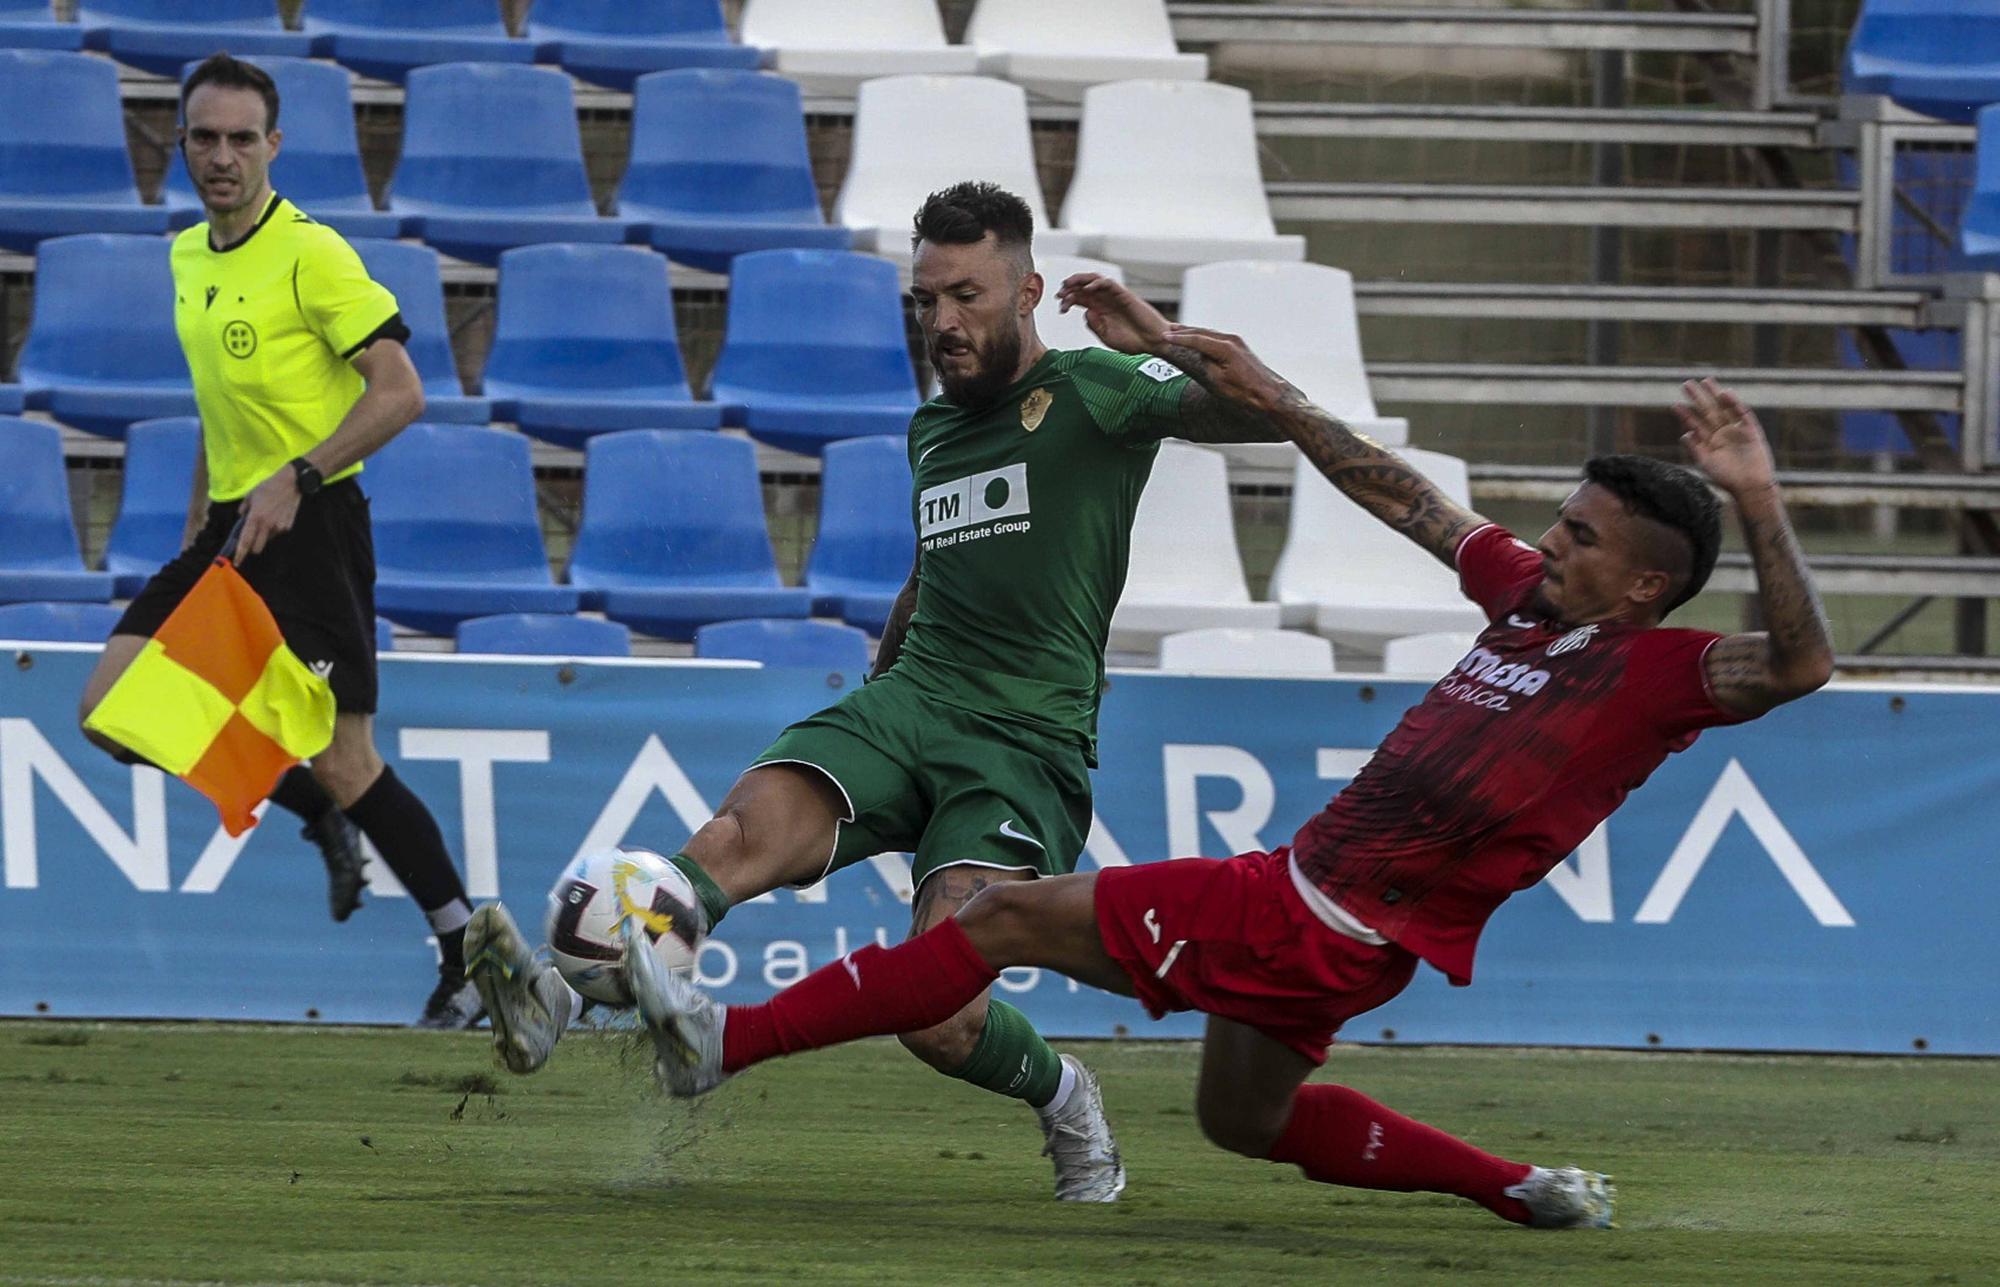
x=39 y=557
x=32 y=25
x=815 y=349
x=385 y=635
x=1938 y=57
x=153 y=510
x=160 y=35
x=64 y=167
x=388 y=39
x=12 y=399
x=542 y=634
x=473 y=190
x=411 y=274
x=611 y=42
x=1979 y=232
x=673 y=534
x=820 y=645
x=319 y=167
x=101 y=348
x=866 y=541
x=456 y=531
x=719 y=167
x=585 y=343
x=84 y=623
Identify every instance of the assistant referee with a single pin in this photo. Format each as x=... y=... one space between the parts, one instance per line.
x=299 y=374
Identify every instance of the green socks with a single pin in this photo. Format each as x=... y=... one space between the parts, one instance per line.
x=714 y=903
x=1012 y=1059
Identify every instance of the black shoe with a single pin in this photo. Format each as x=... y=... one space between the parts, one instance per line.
x=339 y=843
x=453 y=1004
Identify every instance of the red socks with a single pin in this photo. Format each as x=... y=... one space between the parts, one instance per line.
x=872 y=992
x=1340 y=1136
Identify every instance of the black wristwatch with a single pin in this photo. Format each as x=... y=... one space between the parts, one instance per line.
x=308 y=475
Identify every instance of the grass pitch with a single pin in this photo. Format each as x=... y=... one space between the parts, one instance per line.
x=141 y=1153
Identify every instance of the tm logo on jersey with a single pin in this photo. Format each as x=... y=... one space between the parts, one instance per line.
x=971 y=508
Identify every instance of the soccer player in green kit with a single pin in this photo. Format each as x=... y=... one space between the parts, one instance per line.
x=972 y=743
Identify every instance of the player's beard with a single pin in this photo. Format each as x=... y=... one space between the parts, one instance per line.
x=997 y=359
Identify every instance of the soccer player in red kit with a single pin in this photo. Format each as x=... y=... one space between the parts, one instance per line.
x=1570 y=699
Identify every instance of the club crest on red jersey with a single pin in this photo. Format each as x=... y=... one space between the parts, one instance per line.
x=1572 y=641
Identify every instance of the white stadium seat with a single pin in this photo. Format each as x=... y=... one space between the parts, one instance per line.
x=1061 y=330
x=1060 y=48
x=1185 y=573
x=1224 y=650
x=1430 y=656
x=1300 y=319
x=1167 y=177
x=1357 y=581
x=916 y=134
x=831 y=49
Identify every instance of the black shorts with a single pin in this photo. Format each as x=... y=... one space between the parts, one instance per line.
x=318 y=580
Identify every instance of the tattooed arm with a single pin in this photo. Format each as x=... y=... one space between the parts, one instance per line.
x=1752 y=673
x=1129 y=324
x=1369 y=474
x=891 y=646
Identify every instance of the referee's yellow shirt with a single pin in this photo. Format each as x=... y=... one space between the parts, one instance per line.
x=269 y=326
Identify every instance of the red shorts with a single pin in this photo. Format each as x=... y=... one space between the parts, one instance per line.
x=1232 y=938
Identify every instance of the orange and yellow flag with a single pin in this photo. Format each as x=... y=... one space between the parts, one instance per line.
x=217 y=699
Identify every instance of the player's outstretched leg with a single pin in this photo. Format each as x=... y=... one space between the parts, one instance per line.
x=995 y=1047
x=526 y=1000
x=337 y=839
x=1251 y=1101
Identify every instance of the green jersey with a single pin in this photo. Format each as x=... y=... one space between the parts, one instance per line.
x=1024 y=511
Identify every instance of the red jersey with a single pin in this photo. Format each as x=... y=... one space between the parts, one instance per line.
x=1507 y=764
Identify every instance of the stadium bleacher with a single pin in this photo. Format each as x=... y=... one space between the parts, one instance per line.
x=388 y=39
x=616 y=43
x=158 y=479
x=585 y=342
x=456 y=532
x=544 y=634
x=39 y=555
x=719 y=167
x=721 y=163
x=31 y=24
x=160 y=35
x=64 y=167
x=816 y=644
x=673 y=535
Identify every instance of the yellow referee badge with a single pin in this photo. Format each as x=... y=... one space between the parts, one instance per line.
x=1034 y=407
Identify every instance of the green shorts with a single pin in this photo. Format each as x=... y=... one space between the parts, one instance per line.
x=948 y=785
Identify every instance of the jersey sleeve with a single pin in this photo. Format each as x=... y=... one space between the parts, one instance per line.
x=1134 y=398
x=1497 y=569
x=1668 y=671
x=342 y=304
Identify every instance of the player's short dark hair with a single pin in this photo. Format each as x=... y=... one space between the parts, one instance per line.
x=233 y=73
x=965 y=212
x=1672 y=496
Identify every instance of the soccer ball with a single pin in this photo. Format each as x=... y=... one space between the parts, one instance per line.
x=590 y=903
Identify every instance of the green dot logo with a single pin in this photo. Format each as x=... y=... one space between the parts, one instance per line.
x=239 y=339
x=996 y=493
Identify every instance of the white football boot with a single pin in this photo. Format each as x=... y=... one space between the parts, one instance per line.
x=1079 y=1139
x=527 y=1001
x=686 y=1023
x=1566 y=1197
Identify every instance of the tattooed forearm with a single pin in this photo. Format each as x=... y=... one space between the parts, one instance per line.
x=1376 y=478
x=899 y=624
x=1793 y=655
x=1208 y=418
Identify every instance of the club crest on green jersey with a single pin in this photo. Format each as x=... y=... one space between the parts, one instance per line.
x=1034 y=407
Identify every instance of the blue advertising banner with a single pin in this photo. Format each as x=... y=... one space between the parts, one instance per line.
x=1819 y=880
